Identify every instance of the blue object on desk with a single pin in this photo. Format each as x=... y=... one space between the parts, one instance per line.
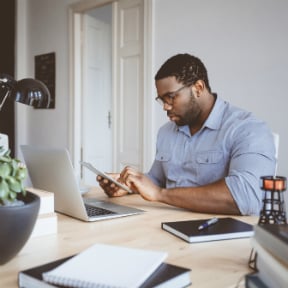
x=208 y=223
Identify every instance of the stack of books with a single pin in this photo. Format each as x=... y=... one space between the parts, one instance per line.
x=46 y=222
x=103 y=265
x=270 y=243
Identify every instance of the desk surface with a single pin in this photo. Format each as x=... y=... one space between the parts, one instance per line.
x=213 y=264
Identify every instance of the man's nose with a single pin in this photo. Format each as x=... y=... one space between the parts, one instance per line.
x=167 y=107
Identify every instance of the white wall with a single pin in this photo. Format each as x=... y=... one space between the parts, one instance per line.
x=46 y=28
x=242 y=43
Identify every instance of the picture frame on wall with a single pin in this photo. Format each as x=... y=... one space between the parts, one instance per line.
x=45 y=71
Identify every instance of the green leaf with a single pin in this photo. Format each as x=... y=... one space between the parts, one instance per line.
x=21 y=173
x=15 y=167
x=5 y=170
x=24 y=192
x=12 y=195
x=8 y=153
x=4 y=189
x=4 y=158
x=15 y=185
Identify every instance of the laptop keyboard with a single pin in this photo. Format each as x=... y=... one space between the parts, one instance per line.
x=97 y=211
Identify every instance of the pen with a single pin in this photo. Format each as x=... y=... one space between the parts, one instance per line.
x=208 y=223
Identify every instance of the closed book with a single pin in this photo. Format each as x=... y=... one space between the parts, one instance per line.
x=224 y=228
x=166 y=276
x=272 y=271
x=254 y=281
x=46 y=200
x=103 y=265
x=46 y=224
x=274 y=237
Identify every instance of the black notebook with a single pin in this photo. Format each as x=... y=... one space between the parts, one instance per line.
x=225 y=228
x=167 y=275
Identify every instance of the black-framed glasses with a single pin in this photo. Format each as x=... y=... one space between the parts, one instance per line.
x=168 y=98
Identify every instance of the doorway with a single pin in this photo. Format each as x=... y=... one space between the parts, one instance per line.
x=129 y=120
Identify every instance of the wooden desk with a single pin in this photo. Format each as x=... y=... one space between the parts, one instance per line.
x=213 y=264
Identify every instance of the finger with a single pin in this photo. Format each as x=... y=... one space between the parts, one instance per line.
x=99 y=178
x=129 y=171
x=122 y=174
x=110 y=190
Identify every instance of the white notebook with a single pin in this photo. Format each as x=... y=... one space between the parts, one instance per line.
x=104 y=265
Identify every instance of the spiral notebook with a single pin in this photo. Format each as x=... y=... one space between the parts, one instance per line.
x=166 y=275
x=106 y=265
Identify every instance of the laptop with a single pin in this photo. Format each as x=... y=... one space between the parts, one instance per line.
x=51 y=169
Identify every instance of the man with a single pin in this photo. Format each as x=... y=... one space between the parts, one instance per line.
x=210 y=156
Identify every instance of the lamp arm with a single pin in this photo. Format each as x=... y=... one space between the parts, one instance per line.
x=4 y=99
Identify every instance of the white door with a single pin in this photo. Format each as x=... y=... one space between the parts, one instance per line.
x=128 y=101
x=97 y=92
x=90 y=137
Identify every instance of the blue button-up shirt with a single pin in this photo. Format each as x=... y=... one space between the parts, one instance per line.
x=232 y=144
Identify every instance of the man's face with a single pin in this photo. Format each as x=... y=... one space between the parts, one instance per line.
x=179 y=101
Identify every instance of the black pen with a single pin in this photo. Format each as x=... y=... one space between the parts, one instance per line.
x=208 y=223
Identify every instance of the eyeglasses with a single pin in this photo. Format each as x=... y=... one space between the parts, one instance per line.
x=168 y=98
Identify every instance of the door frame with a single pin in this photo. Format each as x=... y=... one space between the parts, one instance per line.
x=75 y=73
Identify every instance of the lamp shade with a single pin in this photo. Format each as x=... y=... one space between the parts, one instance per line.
x=31 y=92
x=27 y=91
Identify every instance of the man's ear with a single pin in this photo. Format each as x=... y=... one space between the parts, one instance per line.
x=200 y=87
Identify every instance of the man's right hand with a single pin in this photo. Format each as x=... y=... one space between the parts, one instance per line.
x=109 y=187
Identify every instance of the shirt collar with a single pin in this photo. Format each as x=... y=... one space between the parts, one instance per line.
x=214 y=119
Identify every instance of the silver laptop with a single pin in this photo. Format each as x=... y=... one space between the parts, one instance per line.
x=51 y=169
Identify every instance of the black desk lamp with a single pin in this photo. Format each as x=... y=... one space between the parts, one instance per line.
x=27 y=91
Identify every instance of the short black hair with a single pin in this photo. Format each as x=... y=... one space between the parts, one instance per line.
x=187 y=69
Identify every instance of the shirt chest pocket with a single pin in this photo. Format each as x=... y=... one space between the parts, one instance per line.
x=210 y=166
x=168 y=167
x=209 y=157
x=164 y=159
x=163 y=156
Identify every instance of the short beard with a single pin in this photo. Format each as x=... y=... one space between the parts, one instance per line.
x=192 y=113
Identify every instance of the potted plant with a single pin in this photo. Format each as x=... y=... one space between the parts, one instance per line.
x=18 y=207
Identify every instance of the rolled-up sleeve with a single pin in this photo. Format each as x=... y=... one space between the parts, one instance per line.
x=252 y=156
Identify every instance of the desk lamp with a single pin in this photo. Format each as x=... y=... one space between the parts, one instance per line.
x=27 y=91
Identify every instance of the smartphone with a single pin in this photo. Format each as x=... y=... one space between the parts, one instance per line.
x=102 y=174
